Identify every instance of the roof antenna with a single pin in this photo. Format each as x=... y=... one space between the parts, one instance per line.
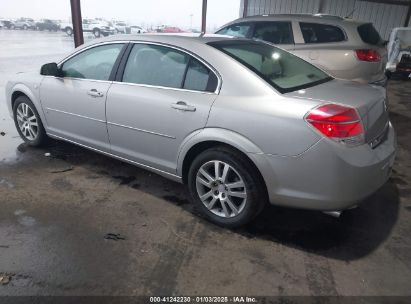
x=350 y=14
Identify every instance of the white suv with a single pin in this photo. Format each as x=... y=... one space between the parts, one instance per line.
x=342 y=47
x=97 y=27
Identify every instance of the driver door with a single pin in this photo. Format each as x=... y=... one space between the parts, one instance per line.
x=75 y=104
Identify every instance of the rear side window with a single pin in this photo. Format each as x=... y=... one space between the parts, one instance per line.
x=166 y=67
x=321 y=33
x=236 y=30
x=155 y=65
x=199 y=77
x=369 y=34
x=274 y=32
x=95 y=63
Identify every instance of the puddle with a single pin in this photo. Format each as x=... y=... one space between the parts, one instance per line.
x=6 y=183
x=27 y=221
x=125 y=180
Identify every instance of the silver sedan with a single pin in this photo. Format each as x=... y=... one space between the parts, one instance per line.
x=240 y=122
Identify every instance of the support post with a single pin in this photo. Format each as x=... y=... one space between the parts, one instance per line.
x=407 y=18
x=321 y=6
x=245 y=9
x=77 y=22
x=204 y=17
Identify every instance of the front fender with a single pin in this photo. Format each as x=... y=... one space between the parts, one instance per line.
x=32 y=92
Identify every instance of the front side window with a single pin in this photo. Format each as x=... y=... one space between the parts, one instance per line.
x=284 y=71
x=279 y=32
x=95 y=63
x=321 y=33
x=236 y=30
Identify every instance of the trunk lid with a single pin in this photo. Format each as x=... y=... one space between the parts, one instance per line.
x=369 y=101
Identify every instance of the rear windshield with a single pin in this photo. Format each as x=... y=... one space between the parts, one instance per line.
x=284 y=71
x=369 y=34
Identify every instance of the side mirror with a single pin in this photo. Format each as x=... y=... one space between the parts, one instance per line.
x=50 y=69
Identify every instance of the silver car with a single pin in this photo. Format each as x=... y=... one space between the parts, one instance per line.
x=241 y=122
x=344 y=48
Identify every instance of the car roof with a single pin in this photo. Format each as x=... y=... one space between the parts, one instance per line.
x=318 y=18
x=183 y=39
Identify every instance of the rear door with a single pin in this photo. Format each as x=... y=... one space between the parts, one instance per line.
x=163 y=96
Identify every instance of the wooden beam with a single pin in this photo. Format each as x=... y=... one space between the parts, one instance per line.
x=77 y=22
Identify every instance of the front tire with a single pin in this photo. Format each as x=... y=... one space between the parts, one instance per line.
x=96 y=33
x=226 y=187
x=25 y=27
x=28 y=122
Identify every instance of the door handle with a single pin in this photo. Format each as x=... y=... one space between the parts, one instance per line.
x=182 y=106
x=95 y=93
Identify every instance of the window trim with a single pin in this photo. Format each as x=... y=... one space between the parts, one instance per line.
x=115 y=66
x=317 y=43
x=290 y=24
x=124 y=60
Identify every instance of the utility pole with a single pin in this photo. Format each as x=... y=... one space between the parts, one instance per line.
x=204 y=18
x=77 y=22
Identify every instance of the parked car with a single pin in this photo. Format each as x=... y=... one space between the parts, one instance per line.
x=120 y=27
x=169 y=29
x=399 y=52
x=47 y=24
x=259 y=123
x=8 y=24
x=97 y=27
x=25 y=24
x=135 y=29
x=344 y=48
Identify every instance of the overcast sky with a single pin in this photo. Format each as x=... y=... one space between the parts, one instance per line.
x=149 y=12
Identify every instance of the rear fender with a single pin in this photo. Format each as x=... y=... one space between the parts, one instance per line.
x=230 y=138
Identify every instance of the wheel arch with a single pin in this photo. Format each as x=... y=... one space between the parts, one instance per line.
x=22 y=90
x=213 y=137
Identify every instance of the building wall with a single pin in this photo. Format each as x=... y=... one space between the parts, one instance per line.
x=384 y=16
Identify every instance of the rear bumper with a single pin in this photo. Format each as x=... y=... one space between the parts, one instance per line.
x=329 y=176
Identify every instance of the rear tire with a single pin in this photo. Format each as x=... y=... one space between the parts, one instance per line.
x=231 y=192
x=69 y=31
x=25 y=27
x=28 y=122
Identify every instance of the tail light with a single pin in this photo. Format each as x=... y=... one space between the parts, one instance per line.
x=368 y=55
x=337 y=122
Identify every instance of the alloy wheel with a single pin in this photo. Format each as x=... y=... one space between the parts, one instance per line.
x=221 y=189
x=27 y=121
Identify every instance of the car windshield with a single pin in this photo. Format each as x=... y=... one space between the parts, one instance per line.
x=284 y=71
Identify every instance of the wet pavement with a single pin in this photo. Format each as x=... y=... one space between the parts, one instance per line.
x=79 y=223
